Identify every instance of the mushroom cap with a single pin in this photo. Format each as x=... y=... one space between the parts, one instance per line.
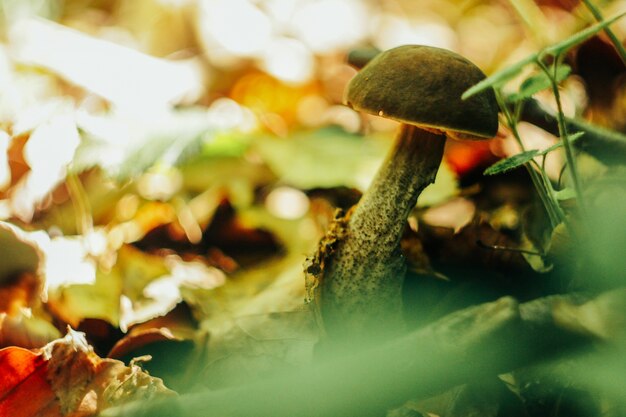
x=422 y=86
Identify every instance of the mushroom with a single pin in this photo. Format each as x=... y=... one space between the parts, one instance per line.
x=360 y=286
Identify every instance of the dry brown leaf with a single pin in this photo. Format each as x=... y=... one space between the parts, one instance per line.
x=66 y=378
x=176 y=326
x=26 y=330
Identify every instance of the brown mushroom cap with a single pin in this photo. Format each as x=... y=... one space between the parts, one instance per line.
x=422 y=86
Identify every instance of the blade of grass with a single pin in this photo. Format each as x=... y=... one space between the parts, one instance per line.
x=569 y=153
x=572 y=138
x=520 y=159
x=500 y=77
x=607 y=146
x=532 y=16
x=553 y=210
x=579 y=37
x=616 y=42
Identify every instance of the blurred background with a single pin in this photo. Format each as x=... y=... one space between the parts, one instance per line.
x=177 y=160
x=117 y=70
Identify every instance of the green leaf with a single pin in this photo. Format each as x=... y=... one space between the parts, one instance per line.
x=539 y=82
x=126 y=148
x=225 y=144
x=565 y=194
x=324 y=158
x=511 y=162
x=524 y=157
x=502 y=76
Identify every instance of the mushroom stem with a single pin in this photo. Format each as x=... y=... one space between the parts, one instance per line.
x=362 y=283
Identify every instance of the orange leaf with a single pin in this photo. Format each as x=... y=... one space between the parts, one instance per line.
x=66 y=378
x=24 y=390
x=467 y=156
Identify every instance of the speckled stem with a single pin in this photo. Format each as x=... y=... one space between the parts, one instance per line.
x=362 y=284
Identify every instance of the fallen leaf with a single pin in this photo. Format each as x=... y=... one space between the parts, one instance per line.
x=26 y=330
x=21 y=292
x=24 y=391
x=19 y=252
x=454 y=214
x=466 y=156
x=175 y=344
x=66 y=378
x=257 y=323
x=99 y=299
x=154 y=284
x=176 y=326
